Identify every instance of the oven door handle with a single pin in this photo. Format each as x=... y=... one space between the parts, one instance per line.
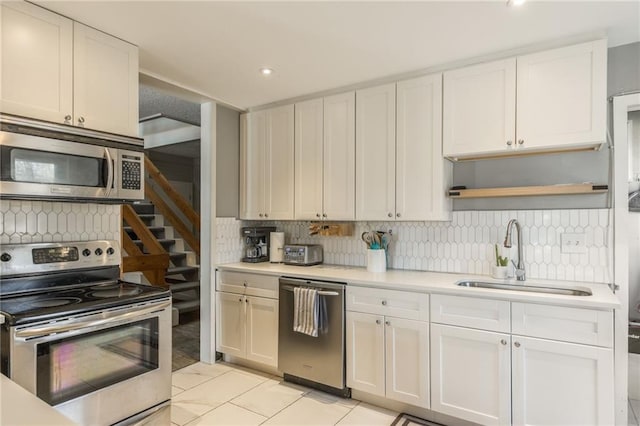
x=109 y=172
x=79 y=325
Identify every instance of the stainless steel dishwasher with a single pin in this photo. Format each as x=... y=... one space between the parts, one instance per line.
x=313 y=361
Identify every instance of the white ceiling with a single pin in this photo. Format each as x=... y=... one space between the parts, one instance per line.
x=217 y=48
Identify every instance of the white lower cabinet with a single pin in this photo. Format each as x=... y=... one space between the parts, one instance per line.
x=247 y=327
x=471 y=374
x=389 y=357
x=497 y=378
x=559 y=383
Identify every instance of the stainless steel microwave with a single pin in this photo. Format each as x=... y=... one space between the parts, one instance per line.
x=51 y=161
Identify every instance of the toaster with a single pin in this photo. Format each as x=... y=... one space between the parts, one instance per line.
x=302 y=254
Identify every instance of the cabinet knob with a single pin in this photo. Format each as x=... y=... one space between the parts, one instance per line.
x=67 y=119
x=509 y=143
x=397 y=214
x=384 y=303
x=389 y=214
x=520 y=141
x=240 y=300
x=244 y=284
x=246 y=300
x=388 y=322
x=516 y=344
x=503 y=342
x=266 y=215
x=317 y=214
x=377 y=321
x=81 y=121
x=261 y=215
x=324 y=215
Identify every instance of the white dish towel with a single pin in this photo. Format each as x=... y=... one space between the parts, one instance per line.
x=306 y=311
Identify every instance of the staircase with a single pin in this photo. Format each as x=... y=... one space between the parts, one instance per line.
x=183 y=274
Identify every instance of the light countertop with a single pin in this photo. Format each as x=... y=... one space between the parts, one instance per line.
x=19 y=407
x=437 y=282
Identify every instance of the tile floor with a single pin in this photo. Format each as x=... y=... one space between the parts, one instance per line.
x=634 y=412
x=225 y=394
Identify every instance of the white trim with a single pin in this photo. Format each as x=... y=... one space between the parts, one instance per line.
x=208 y=127
x=621 y=107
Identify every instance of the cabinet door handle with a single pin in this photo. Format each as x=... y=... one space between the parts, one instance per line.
x=520 y=141
x=516 y=344
x=266 y=215
x=240 y=300
x=384 y=303
x=317 y=214
x=389 y=215
x=509 y=143
x=378 y=322
x=81 y=121
x=244 y=284
x=67 y=119
x=261 y=215
x=388 y=322
x=246 y=300
x=397 y=214
x=324 y=215
x=503 y=341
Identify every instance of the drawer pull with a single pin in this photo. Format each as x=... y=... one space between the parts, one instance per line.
x=384 y=303
x=378 y=322
x=516 y=344
x=388 y=322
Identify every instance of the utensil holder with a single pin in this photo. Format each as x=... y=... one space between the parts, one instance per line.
x=376 y=260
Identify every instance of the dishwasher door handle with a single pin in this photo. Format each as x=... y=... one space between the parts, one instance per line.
x=320 y=292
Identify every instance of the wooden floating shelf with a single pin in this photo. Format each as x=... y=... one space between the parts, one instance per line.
x=529 y=191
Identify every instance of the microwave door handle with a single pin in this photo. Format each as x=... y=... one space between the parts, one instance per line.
x=83 y=325
x=110 y=172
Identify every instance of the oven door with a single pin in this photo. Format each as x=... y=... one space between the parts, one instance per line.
x=97 y=369
x=33 y=166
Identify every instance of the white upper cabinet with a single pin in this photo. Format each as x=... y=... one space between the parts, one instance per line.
x=479 y=109
x=105 y=84
x=308 y=159
x=376 y=153
x=279 y=164
x=339 y=155
x=422 y=176
x=61 y=71
x=558 y=103
x=266 y=166
x=325 y=158
x=562 y=96
x=37 y=63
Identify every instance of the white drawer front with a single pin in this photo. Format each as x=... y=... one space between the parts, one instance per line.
x=249 y=284
x=588 y=326
x=399 y=304
x=485 y=314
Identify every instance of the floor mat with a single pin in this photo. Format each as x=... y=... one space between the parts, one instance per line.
x=404 y=419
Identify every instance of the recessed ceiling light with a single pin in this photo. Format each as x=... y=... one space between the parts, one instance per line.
x=515 y=2
x=266 y=71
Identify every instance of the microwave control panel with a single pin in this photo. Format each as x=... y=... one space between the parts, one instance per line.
x=131 y=172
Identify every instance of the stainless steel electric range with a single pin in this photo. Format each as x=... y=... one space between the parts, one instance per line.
x=96 y=348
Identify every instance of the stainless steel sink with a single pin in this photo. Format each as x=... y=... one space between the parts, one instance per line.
x=528 y=288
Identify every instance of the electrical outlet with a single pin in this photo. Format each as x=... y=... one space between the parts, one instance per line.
x=573 y=243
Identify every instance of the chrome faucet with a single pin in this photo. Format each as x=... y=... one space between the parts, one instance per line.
x=519 y=267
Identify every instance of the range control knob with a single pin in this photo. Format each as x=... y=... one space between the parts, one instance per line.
x=86 y=252
x=110 y=251
x=5 y=257
x=98 y=252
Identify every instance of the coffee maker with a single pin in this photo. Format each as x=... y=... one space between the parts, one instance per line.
x=256 y=243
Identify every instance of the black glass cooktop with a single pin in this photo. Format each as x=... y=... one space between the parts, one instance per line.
x=54 y=303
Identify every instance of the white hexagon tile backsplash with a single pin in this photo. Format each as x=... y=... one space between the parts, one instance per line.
x=466 y=244
x=43 y=221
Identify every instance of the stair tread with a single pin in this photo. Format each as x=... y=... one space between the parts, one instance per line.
x=185 y=285
x=177 y=254
x=160 y=240
x=178 y=269
x=187 y=305
x=151 y=228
